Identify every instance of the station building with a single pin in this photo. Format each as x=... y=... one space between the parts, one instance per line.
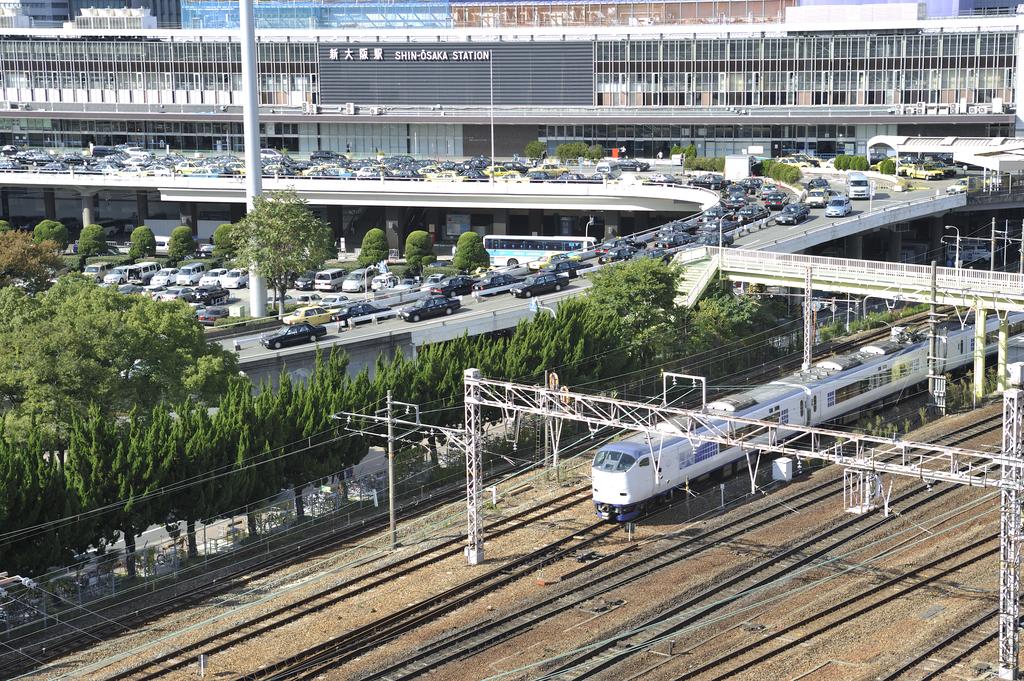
x=815 y=79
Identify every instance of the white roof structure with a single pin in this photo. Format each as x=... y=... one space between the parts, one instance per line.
x=999 y=154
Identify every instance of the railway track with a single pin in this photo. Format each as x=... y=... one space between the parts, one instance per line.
x=946 y=653
x=333 y=594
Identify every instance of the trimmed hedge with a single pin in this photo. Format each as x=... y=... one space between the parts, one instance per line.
x=715 y=164
x=782 y=172
x=887 y=167
x=845 y=162
x=570 y=151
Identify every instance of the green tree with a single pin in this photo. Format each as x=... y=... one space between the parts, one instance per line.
x=419 y=251
x=470 y=252
x=690 y=151
x=570 y=151
x=143 y=243
x=676 y=149
x=223 y=240
x=181 y=244
x=859 y=163
x=51 y=230
x=92 y=241
x=535 y=149
x=5 y=226
x=595 y=152
x=76 y=345
x=374 y=248
x=887 y=166
x=280 y=236
x=25 y=262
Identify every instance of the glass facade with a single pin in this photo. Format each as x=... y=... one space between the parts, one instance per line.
x=312 y=14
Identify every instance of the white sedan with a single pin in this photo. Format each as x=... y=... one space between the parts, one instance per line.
x=212 y=278
x=235 y=279
x=164 y=277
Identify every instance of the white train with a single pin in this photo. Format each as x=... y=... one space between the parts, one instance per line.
x=629 y=474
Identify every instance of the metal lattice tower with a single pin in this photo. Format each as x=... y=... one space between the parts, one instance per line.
x=1010 y=533
x=474 y=470
x=808 y=321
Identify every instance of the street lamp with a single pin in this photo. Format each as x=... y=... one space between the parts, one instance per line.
x=956 y=257
x=590 y=223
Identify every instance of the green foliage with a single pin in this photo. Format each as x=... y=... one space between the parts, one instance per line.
x=714 y=165
x=678 y=150
x=279 y=236
x=223 y=240
x=690 y=151
x=374 y=248
x=181 y=244
x=143 y=243
x=470 y=253
x=5 y=226
x=595 y=152
x=535 y=149
x=51 y=230
x=642 y=293
x=841 y=162
x=782 y=172
x=887 y=166
x=571 y=151
x=859 y=163
x=419 y=251
x=27 y=263
x=92 y=241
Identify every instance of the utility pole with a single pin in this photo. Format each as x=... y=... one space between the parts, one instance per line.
x=808 y=322
x=391 y=476
x=1010 y=533
x=992 y=256
x=936 y=381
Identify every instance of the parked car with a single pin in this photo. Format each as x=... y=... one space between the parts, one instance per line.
x=818 y=198
x=435 y=306
x=211 y=295
x=212 y=278
x=709 y=181
x=569 y=268
x=432 y=281
x=538 y=284
x=495 y=280
x=793 y=214
x=190 y=274
x=164 y=277
x=334 y=301
x=128 y=289
x=308 y=315
x=308 y=299
x=304 y=282
x=817 y=183
x=634 y=165
x=235 y=279
x=345 y=314
x=459 y=285
x=776 y=201
x=616 y=254
x=838 y=207
x=293 y=335
x=752 y=213
x=208 y=316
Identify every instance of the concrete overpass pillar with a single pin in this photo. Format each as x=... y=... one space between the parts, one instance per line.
x=5 y=205
x=979 y=352
x=936 y=250
x=141 y=208
x=188 y=212
x=641 y=221
x=500 y=225
x=49 y=204
x=88 y=208
x=895 y=246
x=536 y=222
x=1002 y=378
x=855 y=247
x=393 y=226
x=611 y=225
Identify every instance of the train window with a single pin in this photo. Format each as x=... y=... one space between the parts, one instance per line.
x=625 y=462
x=644 y=462
x=814 y=403
x=802 y=406
x=831 y=398
x=784 y=416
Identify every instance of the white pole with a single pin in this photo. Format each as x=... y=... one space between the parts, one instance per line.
x=490 y=68
x=251 y=137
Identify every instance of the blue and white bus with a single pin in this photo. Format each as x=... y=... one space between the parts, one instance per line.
x=510 y=250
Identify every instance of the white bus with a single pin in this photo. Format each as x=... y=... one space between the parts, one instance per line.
x=510 y=250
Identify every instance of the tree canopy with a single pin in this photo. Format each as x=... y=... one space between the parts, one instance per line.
x=92 y=241
x=143 y=243
x=374 y=248
x=281 y=236
x=419 y=251
x=181 y=244
x=642 y=293
x=28 y=263
x=224 y=241
x=470 y=252
x=51 y=230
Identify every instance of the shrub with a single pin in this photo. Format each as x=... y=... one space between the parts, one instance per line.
x=92 y=241
x=690 y=151
x=676 y=149
x=51 y=230
x=181 y=244
x=595 y=152
x=75 y=263
x=419 y=251
x=715 y=165
x=782 y=172
x=859 y=163
x=223 y=240
x=570 y=151
x=5 y=226
x=375 y=247
x=887 y=167
x=470 y=253
x=535 y=149
x=143 y=243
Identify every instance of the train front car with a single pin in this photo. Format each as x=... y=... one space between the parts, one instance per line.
x=622 y=477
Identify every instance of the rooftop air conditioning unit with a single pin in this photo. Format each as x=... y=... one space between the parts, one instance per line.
x=972 y=109
x=376 y=111
x=349 y=108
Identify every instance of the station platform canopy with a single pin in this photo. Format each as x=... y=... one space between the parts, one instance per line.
x=998 y=154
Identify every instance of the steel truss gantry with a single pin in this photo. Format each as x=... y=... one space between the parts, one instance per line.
x=927 y=462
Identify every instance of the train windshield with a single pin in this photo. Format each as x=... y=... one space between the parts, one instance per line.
x=611 y=461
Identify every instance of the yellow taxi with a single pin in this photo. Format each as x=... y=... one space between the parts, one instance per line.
x=308 y=315
x=501 y=171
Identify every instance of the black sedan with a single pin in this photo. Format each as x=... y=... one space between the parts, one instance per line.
x=793 y=214
x=435 y=306
x=459 y=285
x=616 y=254
x=304 y=282
x=569 y=268
x=495 y=281
x=709 y=181
x=632 y=164
x=354 y=312
x=208 y=316
x=776 y=201
x=817 y=183
x=538 y=284
x=752 y=213
x=734 y=202
x=293 y=335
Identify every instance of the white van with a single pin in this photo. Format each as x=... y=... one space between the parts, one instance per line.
x=609 y=169
x=142 y=273
x=857 y=186
x=98 y=270
x=162 y=243
x=356 y=281
x=328 y=280
x=190 y=274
